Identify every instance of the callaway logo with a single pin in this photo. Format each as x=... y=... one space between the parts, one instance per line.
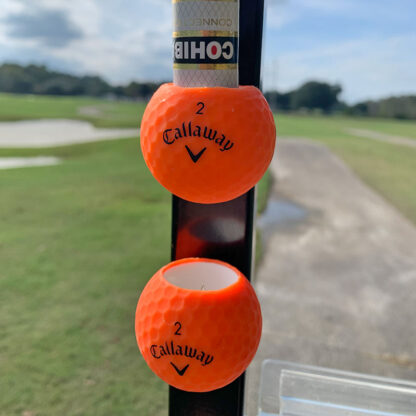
x=203 y=132
x=172 y=349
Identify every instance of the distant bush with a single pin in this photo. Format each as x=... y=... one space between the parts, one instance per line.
x=312 y=96
x=315 y=95
x=278 y=101
x=144 y=90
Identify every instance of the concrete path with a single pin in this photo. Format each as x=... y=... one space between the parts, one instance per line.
x=338 y=280
x=381 y=137
x=51 y=133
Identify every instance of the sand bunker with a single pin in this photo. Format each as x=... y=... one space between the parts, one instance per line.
x=52 y=133
x=26 y=162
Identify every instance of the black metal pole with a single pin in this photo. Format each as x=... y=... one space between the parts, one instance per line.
x=221 y=231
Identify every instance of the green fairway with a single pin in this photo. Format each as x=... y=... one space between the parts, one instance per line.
x=79 y=240
x=321 y=127
x=102 y=113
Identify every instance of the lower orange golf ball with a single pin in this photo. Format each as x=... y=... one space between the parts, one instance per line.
x=198 y=324
x=208 y=145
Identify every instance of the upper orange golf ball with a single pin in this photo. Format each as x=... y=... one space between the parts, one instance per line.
x=208 y=145
x=198 y=324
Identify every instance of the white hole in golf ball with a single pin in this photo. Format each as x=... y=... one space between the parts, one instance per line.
x=201 y=274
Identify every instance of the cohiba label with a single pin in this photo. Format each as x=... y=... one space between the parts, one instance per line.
x=205 y=43
x=207 y=50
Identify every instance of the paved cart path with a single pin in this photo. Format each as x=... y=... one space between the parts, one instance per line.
x=338 y=280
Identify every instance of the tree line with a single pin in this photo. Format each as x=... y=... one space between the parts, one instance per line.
x=403 y=107
x=313 y=96
x=38 y=79
x=316 y=96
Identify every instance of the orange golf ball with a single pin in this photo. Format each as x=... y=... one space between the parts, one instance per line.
x=198 y=324
x=208 y=145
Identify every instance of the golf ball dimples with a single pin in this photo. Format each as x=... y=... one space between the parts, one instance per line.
x=198 y=324
x=208 y=145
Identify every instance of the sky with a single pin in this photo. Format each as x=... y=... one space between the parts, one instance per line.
x=367 y=46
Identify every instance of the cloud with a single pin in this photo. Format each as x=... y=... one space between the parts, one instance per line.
x=117 y=39
x=280 y=13
x=51 y=28
x=327 y=6
x=366 y=68
x=277 y=17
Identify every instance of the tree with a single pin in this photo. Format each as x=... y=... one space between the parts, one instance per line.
x=315 y=95
x=278 y=101
x=142 y=90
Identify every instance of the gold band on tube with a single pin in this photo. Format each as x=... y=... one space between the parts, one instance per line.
x=204 y=33
x=205 y=66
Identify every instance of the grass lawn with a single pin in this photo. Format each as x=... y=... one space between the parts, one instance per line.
x=106 y=113
x=78 y=242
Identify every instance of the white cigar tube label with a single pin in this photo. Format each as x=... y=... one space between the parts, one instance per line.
x=205 y=43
